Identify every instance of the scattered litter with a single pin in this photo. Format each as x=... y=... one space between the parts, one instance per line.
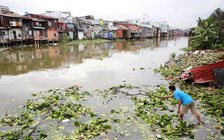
x=31 y=111
x=189 y=68
x=66 y=120
x=195 y=52
x=59 y=88
x=3 y=131
x=168 y=78
x=122 y=133
x=158 y=136
x=217 y=127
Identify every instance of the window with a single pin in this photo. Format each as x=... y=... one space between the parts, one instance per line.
x=49 y=23
x=55 y=34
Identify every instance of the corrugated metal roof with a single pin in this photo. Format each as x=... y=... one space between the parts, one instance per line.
x=204 y=73
x=42 y=16
x=24 y=17
x=10 y=15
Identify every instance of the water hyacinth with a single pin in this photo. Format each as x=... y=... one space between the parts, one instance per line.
x=106 y=114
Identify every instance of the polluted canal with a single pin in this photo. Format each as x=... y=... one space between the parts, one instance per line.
x=115 y=101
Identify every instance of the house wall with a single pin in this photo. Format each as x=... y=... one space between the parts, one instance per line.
x=119 y=33
x=26 y=33
x=51 y=34
x=36 y=34
x=92 y=32
x=136 y=21
x=80 y=35
x=71 y=34
x=4 y=39
x=164 y=27
x=18 y=34
x=114 y=34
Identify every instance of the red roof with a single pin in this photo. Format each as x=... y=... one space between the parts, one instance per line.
x=204 y=73
x=24 y=17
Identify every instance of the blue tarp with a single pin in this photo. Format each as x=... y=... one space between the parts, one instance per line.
x=109 y=34
x=70 y=25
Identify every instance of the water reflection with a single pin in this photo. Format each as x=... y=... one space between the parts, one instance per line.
x=21 y=61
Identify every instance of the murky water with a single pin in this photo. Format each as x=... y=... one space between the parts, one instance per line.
x=93 y=66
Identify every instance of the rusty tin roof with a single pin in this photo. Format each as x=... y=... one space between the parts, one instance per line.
x=204 y=73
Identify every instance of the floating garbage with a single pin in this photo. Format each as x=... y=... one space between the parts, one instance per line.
x=188 y=68
x=65 y=120
x=168 y=78
x=195 y=52
x=158 y=136
x=217 y=127
x=122 y=133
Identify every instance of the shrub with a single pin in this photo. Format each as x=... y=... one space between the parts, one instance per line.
x=173 y=55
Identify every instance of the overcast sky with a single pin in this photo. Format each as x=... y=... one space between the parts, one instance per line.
x=180 y=13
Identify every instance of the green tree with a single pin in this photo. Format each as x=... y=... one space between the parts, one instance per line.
x=218 y=20
x=205 y=35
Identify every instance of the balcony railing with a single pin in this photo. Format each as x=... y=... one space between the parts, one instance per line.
x=43 y=38
x=15 y=23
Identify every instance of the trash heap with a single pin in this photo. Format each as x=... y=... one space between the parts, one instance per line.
x=178 y=68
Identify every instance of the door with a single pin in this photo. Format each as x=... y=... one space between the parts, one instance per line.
x=14 y=34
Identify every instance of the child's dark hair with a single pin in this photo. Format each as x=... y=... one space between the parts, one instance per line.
x=172 y=87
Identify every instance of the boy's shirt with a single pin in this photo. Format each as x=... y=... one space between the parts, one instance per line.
x=185 y=99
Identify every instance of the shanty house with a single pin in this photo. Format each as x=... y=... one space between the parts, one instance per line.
x=62 y=29
x=87 y=29
x=80 y=28
x=164 y=30
x=71 y=30
x=51 y=24
x=27 y=30
x=10 y=28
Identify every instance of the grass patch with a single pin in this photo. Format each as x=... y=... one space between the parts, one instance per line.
x=188 y=49
x=90 y=41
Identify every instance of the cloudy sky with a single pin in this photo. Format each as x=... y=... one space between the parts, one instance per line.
x=180 y=13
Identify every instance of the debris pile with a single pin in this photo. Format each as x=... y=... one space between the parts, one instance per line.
x=180 y=67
